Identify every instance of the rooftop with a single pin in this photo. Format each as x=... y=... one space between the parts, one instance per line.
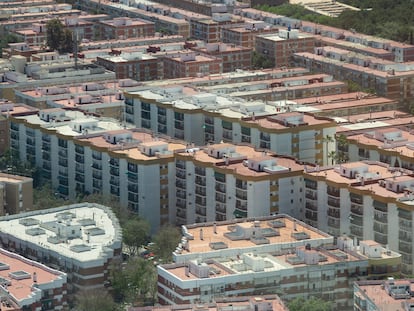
x=81 y=231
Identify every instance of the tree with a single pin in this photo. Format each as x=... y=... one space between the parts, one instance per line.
x=166 y=240
x=312 y=304
x=57 y=37
x=94 y=300
x=135 y=281
x=44 y=197
x=327 y=140
x=259 y=61
x=342 y=148
x=135 y=233
x=332 y=156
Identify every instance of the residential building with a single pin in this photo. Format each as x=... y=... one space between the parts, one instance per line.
x=81 y=239
x=49 y=73
x=81 y=154
x=225 y=181
x=234 y=57
x=258 y=302
x=125 y=27
x=279 y=48
x=16 y=193
x=6 y=109
x=246 y=33
x=29 y=285
x=390 y=294
x=190 y=64
x=201 y=118
x=366 y=200
x=209 y=30
x=387 y=78
x=138 y=66
x=256 y=256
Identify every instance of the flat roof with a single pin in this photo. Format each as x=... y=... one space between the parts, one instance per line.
x=70 y=230
x=23 y=286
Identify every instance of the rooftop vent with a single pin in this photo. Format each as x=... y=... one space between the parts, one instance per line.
x=95 y=231
x=20 y=275
x=87 y=222
x=28 y=222
x=80 y=248
x=218 y=245
x=4 y=266
x=35 y=231
x=300 y=236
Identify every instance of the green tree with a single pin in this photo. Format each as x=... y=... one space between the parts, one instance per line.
x=259 y=61
x=54 y=33
x=135 y=233
x=312 y=304
x=327 y=140
x=44 y=197
x=58 y=37
x=134 y=281
x=342 y=148
x=166 y=240
x=94 y=300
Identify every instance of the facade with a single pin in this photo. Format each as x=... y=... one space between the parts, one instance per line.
x=205 y=117
x=84 y=154
x=234 y=57
x=390 y=294
x=80 y=239
x=27 y=285
x=262 y=303
x=137 y=66
x=366 y=200
x=280 y=47
x=245 y=34
x=124 y=28
x=225 y=181
x=256 y=256
x=190 y=64
x=16 y=194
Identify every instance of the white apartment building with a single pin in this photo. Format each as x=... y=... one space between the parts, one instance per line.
x=80 y=239
x=82 y=154
x=257 y=256
x=201 y=118
x=224 y=181
x=366 y=200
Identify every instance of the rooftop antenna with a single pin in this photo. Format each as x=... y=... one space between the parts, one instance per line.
x=75 y=39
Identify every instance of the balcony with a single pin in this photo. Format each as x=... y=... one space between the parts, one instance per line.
x=63 y=162
x=97 y=165
x=333 y=192
x=201 y=181
x=311 y=195
x=311 y=206
x=333 y=202
x=311 y=215
x=114 y=171
x=220 y=188
x=201 y=200
x=96 y=175
x=114 y=181
x=357 y=209
x=334 y=213
x=220 y=197
x=133 y=188
x=63 y=153
x=241 y=194
x=201 y=211
x=80 y=178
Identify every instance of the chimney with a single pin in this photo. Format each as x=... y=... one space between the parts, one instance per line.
x=215 y=228
x=34 y=277
x=201 y=234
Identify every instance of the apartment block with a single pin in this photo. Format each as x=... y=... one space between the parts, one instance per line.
x=206 y=117
x=387 y=78
x=80 y=239
x=389 y=144
x=30 y=285
x=280 y=47
x=190 y=64
x=226 y=181
x=245 y=257
x=245 y=34
x=234 y=57
x=390 y=294
x=259 y=302
x=366 y=200
x=125 y=27
x=16 y=194
x=136 y=65
x=6 y=109
x=49 y=73
x=81 y=154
